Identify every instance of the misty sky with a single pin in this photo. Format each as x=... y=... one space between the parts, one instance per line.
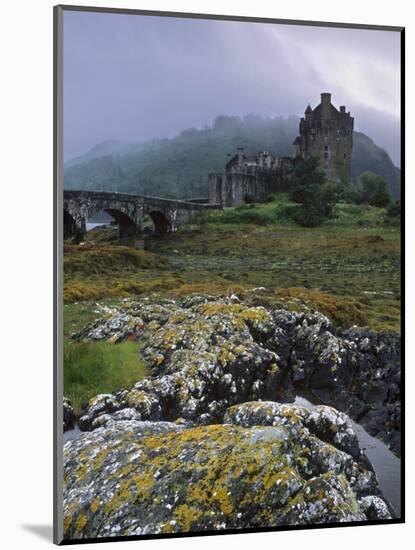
x=137 y=77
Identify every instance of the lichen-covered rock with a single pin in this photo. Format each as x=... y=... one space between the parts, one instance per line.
x=207 y=353
x=117 y=324
x=68 y=415
x=135 y=478
x=123 y=414
x=267 y=413
x=303 y=424
x=374 y=508
x=324 y=499
x=98 y=405
x=334 y=427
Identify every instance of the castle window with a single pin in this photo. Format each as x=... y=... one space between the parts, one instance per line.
x=345 y=156
x=326 y=151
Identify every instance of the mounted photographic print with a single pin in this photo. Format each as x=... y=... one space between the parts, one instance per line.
x=228 y=257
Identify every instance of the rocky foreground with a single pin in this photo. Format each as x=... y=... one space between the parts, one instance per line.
x=206 y=442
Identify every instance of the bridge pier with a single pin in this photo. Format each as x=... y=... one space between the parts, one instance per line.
x=74 y=228
x=130 y=235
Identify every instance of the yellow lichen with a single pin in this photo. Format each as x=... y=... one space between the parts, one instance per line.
x=95 y=505
x=81 y=522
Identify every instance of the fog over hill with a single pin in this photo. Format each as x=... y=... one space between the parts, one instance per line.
x=180 y=166
x=142 y=78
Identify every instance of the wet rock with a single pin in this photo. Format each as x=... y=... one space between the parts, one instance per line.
x=68 y=415
x=139 y=478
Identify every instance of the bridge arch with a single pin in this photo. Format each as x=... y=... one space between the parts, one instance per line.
x=127 y=226
x=80 y=207
x=161 y=222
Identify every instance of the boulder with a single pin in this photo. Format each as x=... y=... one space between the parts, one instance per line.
x=133 y=478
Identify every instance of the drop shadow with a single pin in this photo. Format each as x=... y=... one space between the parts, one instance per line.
x=44 y=532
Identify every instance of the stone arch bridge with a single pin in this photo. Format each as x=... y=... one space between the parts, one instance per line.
x=128 y=212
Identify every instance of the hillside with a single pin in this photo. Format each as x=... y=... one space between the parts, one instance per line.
x=366 y=155
x=179 y=166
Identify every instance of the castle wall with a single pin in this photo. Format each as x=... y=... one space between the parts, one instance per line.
x=215 y=186
x=236 y=186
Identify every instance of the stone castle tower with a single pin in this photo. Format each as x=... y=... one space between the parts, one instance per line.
x=327 y=133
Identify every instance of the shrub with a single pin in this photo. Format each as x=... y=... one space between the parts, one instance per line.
x=271 y=198
x=394 y=209
x=373 y=190
x=311 y=190
x=307 y=217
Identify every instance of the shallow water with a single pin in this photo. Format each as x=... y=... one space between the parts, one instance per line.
x=71 y=434
x=385 y=464
x=92 y=225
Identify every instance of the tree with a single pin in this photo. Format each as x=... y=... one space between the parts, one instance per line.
x=394 y=209
x=374 y=190
x=310 y=189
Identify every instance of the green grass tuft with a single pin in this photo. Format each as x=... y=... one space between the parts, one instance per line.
x=100 y=367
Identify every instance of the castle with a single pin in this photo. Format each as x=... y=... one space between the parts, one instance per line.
x=325 y=132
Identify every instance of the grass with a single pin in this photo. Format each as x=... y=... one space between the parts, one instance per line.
x=99 y=367
x=93 y=271
x=348 y=268
x=263 y=214
x=90 y=259
x=279 y=212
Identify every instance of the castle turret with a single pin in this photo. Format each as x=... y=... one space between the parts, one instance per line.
x=325 y=105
